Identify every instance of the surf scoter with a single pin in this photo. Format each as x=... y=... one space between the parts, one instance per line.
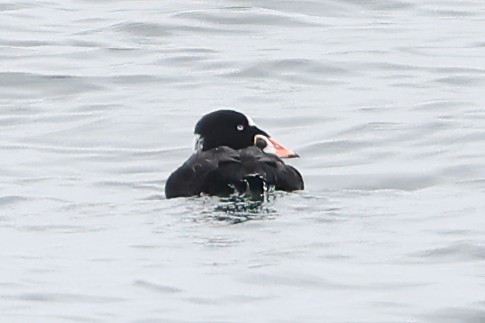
x=232 y=155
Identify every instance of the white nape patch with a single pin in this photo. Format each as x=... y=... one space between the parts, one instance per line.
x=198 y=142
x=250 y=120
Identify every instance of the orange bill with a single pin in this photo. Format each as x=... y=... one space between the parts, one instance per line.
x=281 y=151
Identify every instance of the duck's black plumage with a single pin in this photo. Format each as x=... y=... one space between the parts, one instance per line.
x=230 y=158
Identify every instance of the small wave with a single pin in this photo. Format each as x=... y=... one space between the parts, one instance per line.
x=475 y=313
x=65 y=298
x=163 y=289
x=247 y=16
x=292 y=69
x=374 y=181
x=12 y=199
x=141 y=29
x=29 y=85
x=458 y=251
x=380 y=5
x=234 y=209
x=460 y=80
x=12 y=6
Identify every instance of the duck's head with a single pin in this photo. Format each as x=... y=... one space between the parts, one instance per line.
x=235 y=130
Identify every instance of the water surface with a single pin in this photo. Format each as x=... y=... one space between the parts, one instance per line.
x=383 y=100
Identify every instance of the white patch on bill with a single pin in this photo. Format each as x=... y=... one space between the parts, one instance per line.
x=270 y=148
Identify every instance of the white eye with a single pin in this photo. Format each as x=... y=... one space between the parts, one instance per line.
x=240 y=127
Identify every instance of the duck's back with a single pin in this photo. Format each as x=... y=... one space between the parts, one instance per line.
x=223 y=171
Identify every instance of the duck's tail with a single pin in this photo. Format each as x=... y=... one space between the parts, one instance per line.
x=254 y=186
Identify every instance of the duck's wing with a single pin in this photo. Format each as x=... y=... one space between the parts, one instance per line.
x=223 y=171
x=252 y=168
x=274 y=171
x=191 y=178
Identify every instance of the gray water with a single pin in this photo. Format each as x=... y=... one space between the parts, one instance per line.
x=383 y=100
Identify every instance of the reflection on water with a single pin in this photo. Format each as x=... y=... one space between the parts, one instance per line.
x=238 y=209
x=234 y=209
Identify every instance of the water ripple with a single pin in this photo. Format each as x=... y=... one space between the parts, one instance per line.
x=246 y=16
x=459 y=251
x=292 y=69
x=64 y=298
x=30 y=85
